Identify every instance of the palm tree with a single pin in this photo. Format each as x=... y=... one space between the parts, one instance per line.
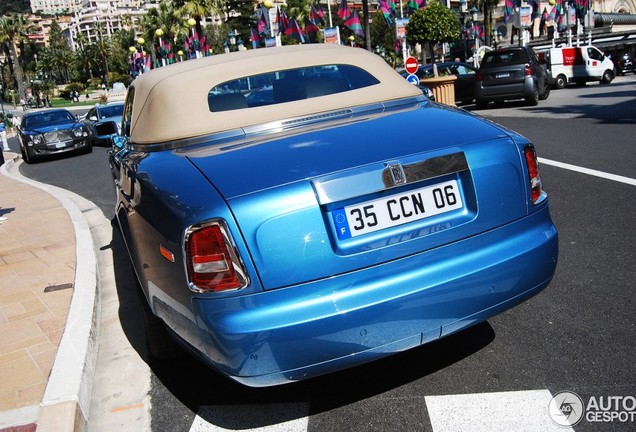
x=84 y=59
x=104 y=49
x=14 y=29
x=197 y=9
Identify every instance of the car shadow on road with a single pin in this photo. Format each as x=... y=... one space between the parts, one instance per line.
x=189 y=382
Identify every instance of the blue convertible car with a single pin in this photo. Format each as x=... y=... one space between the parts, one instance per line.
x=336 y=218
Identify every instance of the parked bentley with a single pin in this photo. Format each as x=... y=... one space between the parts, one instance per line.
x=50 y=132
x=298 y=210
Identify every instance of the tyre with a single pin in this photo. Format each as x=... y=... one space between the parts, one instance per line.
x=533 y=99
x=546 y=92
x=26 y=156
x=481 y=104
x=608 y=77
x=560 y=82
x=160 y=344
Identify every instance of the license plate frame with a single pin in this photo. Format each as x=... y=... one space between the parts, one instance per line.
x=397 y=209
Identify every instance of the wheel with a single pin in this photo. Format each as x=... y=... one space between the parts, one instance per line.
x=481 y=104
x=500 y=103
x=26 y=156
x=160 y=344
x=533 y=99
x=608 y=77
x=560 y=82
x=546 y=92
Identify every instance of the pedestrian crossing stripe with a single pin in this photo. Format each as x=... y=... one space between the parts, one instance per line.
x=517 y=411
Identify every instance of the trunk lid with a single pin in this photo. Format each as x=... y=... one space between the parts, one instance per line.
x=301 y=197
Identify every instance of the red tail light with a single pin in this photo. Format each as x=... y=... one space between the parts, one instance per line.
x=528 y=70
x=533 y=172
x=212 y=262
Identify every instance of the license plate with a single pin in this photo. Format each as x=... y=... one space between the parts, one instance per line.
x=503 y=75
x=397 y=209
x=60 y=145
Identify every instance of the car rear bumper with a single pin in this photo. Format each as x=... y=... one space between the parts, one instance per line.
x=320 y=327
x=519 y=90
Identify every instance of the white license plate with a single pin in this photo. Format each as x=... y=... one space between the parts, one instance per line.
x=397 y=209
x=503 y=75
x=60 y=145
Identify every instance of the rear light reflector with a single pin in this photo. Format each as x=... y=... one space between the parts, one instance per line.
x=211 y=259
x=533 y=172
x=528 y=70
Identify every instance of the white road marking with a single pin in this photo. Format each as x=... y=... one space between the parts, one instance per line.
x=608 y=176
x=262 y=418
x=493 y=412
x=517 y=411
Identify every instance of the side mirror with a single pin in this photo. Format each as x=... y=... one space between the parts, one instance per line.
x=117 y=142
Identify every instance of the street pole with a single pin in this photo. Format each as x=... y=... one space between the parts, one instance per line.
x=2 y=105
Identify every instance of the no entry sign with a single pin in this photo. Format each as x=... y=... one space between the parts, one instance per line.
x=411 y=65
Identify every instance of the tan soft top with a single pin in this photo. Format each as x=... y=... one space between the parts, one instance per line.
x=172 y=102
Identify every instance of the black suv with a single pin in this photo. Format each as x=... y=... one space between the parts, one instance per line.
x=624 y=64
x=511 y=73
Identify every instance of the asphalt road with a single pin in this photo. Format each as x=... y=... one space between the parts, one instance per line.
x=577 y=335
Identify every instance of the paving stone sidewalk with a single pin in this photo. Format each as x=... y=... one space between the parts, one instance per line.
x=37 y=272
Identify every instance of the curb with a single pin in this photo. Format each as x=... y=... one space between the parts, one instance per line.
x=67 y=398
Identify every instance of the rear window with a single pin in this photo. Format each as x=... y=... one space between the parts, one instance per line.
x=502 y=58
x=287 y=86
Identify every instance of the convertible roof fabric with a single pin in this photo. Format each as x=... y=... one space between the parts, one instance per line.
x=171 y=102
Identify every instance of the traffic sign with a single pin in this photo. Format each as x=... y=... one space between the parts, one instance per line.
x=411 y=65
x=413 y=79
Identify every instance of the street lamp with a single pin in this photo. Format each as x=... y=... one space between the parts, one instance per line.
x=194 y=43
x=159 y=33
x=474 y=12
x=2 y=103
x=463 y=10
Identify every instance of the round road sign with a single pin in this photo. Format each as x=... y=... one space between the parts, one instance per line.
x=411 y=65
x=413 y=79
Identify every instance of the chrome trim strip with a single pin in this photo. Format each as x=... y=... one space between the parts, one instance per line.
x=387 y=176
x=280 y=125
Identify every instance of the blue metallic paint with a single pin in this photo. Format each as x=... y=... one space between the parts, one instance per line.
x=337 y=303
x=268 y=338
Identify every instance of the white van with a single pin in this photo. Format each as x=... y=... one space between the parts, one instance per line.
x=579 y=65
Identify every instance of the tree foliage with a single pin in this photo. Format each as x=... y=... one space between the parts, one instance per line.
x=433 y=25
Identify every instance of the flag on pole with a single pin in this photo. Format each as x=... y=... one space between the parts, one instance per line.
x=343 y=10
x=509 y=10
x=261 y=19
x=317 y=15
x=354 y=24
x=294 y=30
x=311 y=30
x=582 y=6
x=281 y=20
x=386 y=11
